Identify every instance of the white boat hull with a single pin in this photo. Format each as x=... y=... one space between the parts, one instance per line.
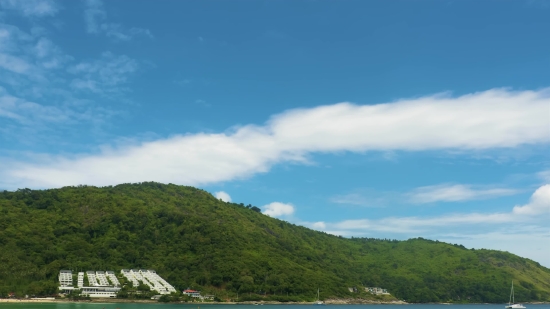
x=515 y=306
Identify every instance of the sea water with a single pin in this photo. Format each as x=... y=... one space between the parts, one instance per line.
x=220 y=306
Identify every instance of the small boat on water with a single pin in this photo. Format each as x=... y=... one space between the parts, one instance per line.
x=512 y=303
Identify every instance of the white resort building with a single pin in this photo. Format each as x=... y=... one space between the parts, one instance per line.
x=148 y=277
x=130 y=277
x=99 y=291
x=105 y=284
x=111 y=275
x=80 y=280
x=100 y=275
x=99 y=286
x=92 y=280
x=66 y=281
x=66 y=278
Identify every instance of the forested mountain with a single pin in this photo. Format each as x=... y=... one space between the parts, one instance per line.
x=194 y=240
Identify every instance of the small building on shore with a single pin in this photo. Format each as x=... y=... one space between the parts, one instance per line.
x=192 y=293
x=377 y=291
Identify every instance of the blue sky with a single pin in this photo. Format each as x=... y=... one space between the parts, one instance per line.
x=389 y=119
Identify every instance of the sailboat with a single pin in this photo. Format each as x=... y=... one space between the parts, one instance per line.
x=512 y=303
x=318 y=302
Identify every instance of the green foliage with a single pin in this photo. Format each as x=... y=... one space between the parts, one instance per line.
x=226 y=249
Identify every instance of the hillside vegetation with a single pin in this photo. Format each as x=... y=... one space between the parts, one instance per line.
x=194 y=240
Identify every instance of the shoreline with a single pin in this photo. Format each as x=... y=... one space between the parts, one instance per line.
x=326 y=302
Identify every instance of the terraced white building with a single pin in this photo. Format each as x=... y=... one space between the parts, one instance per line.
x=100 y=275
x=92 y=280
x=150 y=278
x=106 y=284
x=66 y=281
x=80 y=280
x=111 y=275
x=66 y=278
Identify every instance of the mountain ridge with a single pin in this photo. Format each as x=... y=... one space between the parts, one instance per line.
x=195 y=240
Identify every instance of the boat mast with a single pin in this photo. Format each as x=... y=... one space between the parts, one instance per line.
x=513 y=297
x=511 y=293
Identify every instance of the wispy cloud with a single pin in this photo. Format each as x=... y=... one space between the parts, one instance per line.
x=15 y=64
x=456 y=193
x=106 y=74
x=93 y=15
x=202 y=103
x=528 y=241
x=364 y=199
x=485 y=120
x=29 y=53
x=423 y=195
x=31 y=8
x=36 y=96
x=544 y=175
x=29 y=112
x=95 y=18
x=49 y=56
x=525 y=233
x=539 y=204
x=15 y=46
x=117 y=32
x=31 y=119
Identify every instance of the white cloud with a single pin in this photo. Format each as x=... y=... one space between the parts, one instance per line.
x=38 y=8
x=485 y=120
x=538 y=205
x=456 y=193
x=320 y=225
x=277 y=209
x=95 y=19
x=221 y=195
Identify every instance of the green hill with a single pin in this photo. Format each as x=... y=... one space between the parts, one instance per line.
x=194 y=240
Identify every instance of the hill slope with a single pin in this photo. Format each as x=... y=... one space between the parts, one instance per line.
x=193 y=239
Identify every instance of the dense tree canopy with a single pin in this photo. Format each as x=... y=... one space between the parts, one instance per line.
x=194 y=240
